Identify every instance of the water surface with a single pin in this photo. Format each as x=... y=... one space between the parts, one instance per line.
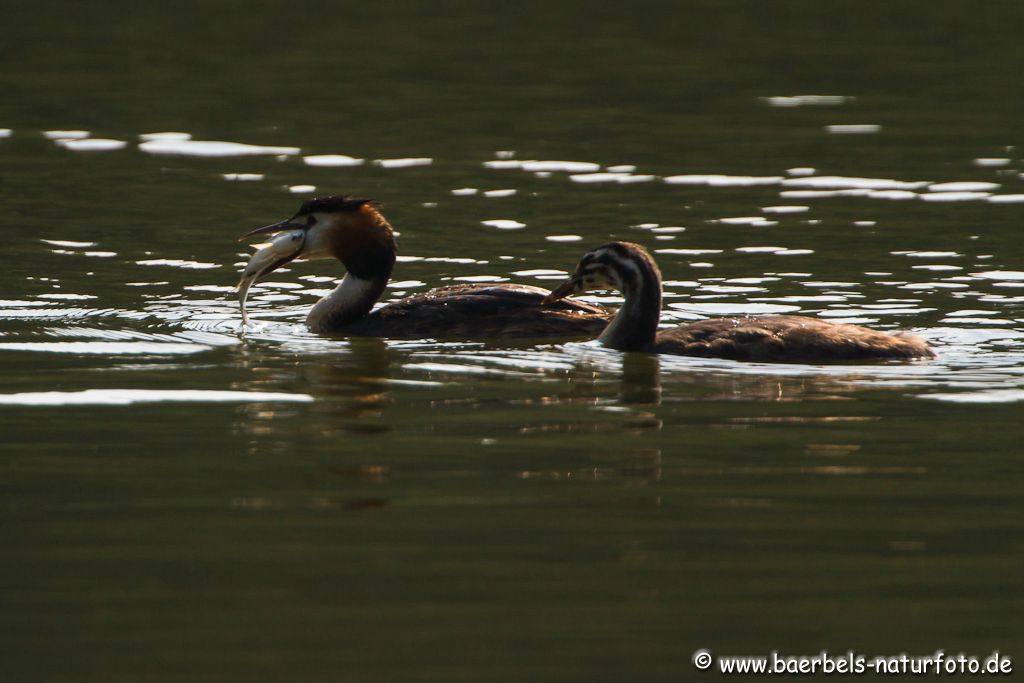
x=187 y=503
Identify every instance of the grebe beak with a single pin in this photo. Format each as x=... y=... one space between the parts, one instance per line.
x=284 y=248
x=290 y=224
x=571 y=286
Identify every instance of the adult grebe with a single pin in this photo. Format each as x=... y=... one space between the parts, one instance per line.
x=631 y=270
x=354 y=232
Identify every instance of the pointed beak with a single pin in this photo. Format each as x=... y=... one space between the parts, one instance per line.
x=289 y=224
x=567 y=288
x=284 y=248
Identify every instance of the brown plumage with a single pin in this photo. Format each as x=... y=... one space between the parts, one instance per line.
x=354 y=232
x=787 y=338
x=481 y=312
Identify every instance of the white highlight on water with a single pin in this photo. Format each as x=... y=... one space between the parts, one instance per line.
x=406 y=162
x=211 y=148
x=853 y=128
x=123 y=397
x=504 y=224
x=92 y=144
x=332 y=160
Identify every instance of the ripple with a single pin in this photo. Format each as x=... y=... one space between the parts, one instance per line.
x=854 y=182
x=819 y=298
x=479 y=278
x=805 y=100
x=1015 y=275
x=1006 y=199
x=964 y=186
x=332 y=160
x=106 y=348
x=145 y=137
x=210 y=148
x=892 y=195
x=69 y=244
x=719 y=180
x=66 y=134
x=242 y=177
x=5 y=132
x=687 y=252
x=92 y=144
x=758 y=221
x=563 y=238
x=403 y=162
x=465 y=191
x=785 y=209
x=927 y=254
x=733 y=308
x=949 y=196
x=564 y=166
x=983 y=396
x=494 y=194
x=823 y=194
x=301 y=189
x=123 y=397
x=730 y=289
x=67 y=297
x=502 y=164
x=867 y=312
x=853 y=128
x=610 y=177
x=177 y=263
x=15 y=303
x=991 y=162
x=503 y=224
x=759 y=250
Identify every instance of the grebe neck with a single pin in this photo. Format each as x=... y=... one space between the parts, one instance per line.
x=635 y=325
x=352 y=299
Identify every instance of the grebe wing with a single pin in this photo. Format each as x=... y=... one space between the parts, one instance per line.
x=481 y=311
x=786 y=338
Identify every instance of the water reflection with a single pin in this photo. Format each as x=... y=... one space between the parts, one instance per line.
x=641 y=380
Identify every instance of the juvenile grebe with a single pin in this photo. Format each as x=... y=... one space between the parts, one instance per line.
x=354 y=232
x=631 y=270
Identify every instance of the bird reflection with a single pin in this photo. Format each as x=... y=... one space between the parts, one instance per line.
x=641 y=379
x=355 y=384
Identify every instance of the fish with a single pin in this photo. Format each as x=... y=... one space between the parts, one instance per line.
x=281 y=249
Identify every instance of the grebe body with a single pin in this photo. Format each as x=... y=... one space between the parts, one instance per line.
x=630 y=269
x=354 y=232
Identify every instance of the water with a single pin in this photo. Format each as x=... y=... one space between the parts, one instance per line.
x=182 y=503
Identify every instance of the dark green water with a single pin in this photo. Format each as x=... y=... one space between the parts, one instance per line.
x=375 y=510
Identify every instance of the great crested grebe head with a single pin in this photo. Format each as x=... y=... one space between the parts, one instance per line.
x=350 y=230
x=621 y=266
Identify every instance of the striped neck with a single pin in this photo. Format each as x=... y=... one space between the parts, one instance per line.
x=635 y=326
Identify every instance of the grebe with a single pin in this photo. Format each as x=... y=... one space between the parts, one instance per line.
x=631 y=270
x=357 y=234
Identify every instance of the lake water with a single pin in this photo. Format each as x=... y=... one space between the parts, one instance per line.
x=185 y=503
